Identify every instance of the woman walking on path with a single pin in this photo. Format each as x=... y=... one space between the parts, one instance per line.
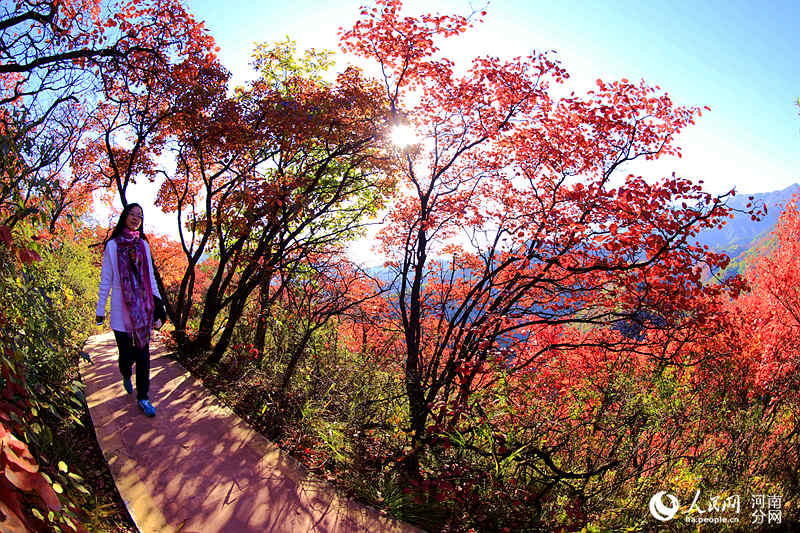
x=128 y=273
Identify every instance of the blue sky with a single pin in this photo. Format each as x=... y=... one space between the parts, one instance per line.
x=739 y=58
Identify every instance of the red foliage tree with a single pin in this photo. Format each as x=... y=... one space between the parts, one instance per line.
x=326 y=285
x=517 y=219
x=128 y=131
x=770 y=313
x=169 y=259
x=56 y=57
x=285 y=168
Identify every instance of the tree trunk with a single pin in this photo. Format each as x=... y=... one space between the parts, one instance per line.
x=234 y=314
x=263 y=314
x=211 y=309
x=297 y=353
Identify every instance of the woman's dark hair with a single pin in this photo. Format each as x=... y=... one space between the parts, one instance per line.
x=121 y=223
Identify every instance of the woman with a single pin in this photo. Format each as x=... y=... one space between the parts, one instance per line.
x=128 y=273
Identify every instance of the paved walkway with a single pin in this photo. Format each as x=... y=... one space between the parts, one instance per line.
x=197 y=467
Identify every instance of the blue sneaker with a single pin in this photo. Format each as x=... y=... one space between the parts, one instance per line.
x=126 y=382
x=147 y=408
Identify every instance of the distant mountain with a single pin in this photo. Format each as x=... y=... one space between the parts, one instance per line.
x=736 y=238
x=740 y=233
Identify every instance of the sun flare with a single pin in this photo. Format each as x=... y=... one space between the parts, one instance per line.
x=404 y=135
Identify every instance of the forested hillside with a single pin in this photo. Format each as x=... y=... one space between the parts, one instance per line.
x=553 y=350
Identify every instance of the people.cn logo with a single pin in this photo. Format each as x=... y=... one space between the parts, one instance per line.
x=661 y=511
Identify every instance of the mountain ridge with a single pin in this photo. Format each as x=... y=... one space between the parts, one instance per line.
x=741 y=233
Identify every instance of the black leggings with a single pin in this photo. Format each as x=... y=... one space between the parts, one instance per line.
x=128 y=355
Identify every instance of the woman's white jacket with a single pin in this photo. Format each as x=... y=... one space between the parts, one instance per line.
x=109 y=281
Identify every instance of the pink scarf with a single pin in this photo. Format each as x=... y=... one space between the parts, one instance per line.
x=137 y=293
